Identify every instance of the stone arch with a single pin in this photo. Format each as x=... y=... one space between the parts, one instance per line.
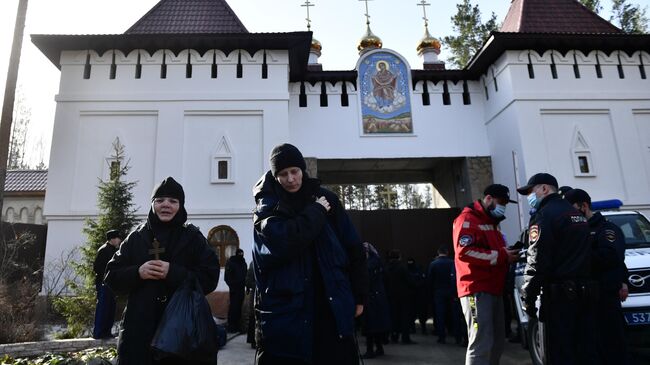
x=24 y=215
x=10 y=215
x=225 y=241
x=38 y=215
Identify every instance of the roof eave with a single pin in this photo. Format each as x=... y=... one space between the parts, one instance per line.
x=499 y=42
x=297 y=43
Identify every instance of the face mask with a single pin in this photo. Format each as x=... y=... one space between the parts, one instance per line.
x=532 y=200
x=499 y=211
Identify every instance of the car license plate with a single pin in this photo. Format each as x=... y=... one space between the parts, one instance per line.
x=637 y=318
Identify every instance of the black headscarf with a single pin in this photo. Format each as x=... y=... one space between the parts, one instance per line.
x=166 y=231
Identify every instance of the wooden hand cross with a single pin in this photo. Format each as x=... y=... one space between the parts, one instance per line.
x=156 y=250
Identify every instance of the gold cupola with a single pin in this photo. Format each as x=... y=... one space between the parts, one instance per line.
x=315 y=47
x=369 y=41
x=428 y=43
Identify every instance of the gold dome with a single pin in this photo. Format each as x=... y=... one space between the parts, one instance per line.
x=369 y=41
x=316 y=46
x=428 y=42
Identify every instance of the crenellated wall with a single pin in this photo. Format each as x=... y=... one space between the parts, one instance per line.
x=164 y=75
x=443 y=126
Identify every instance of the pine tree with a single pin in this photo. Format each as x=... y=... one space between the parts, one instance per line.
x=630 y=18
x=593 y=5
x=116 y=211
x=471 y=33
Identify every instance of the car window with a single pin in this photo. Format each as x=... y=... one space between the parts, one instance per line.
x=635 y=227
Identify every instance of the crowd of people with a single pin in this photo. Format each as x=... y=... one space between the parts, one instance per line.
x=315 y=283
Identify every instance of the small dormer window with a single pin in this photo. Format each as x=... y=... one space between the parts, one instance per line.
x=581 y=156
x=222 y=162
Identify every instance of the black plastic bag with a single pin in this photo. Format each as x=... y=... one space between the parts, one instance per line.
x=187 y=329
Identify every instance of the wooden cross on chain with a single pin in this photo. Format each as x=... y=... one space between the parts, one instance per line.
x=156 y=250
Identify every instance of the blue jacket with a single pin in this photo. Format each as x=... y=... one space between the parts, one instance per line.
x=376 y=313
x=442 y=276
x=287 y=243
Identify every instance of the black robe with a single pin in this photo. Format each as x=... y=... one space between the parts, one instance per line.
x=186 y=250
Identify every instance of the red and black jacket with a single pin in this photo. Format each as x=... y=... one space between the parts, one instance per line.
x=480 y=255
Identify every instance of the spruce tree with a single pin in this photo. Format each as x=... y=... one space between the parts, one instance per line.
x=630 y=18
x=116 y=211
x=471 y=33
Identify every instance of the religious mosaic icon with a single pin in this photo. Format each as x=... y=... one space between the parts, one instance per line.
x=385 y=98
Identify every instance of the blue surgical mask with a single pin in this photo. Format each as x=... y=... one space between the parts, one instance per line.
x=532 y=200
x=499 y=211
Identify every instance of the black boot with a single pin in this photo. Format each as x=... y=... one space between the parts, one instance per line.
x=380 y=350
x=369 y=353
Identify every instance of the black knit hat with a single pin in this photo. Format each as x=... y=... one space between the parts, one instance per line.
x=285 y=155
x=169 y=188
x=113 y=233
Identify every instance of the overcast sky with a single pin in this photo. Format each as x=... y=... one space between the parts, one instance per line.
x=338 y=24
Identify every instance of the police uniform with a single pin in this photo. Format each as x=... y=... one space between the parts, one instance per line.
x=609 y=270
x=558 y=266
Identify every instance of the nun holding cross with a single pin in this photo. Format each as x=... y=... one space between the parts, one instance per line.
x=151 y=263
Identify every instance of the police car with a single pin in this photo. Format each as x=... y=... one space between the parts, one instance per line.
x=636 y=309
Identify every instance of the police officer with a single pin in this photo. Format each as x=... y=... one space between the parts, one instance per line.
x=608 y=265
x=558 y=265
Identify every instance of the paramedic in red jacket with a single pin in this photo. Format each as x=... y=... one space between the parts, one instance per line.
x=482 y=260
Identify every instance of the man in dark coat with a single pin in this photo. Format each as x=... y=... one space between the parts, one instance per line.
x=105 y=309
x=608 y=266
x=376 y=313
x=153 y=261
x=310 y=269
x=558 y=265
x=250 y=292
x=419 y=294
x=442 y=276
x=399 y=286
x=235 y=277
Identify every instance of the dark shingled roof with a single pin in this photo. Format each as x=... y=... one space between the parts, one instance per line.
x=189 y=16
x=554 y=16
x=26 y=180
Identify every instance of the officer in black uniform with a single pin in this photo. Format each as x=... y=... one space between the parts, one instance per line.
x=609 y=270
x=558 y=265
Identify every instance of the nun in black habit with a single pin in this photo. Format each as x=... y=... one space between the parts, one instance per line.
x=151 y=263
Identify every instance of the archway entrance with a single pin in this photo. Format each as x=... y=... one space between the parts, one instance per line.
x=417 y=233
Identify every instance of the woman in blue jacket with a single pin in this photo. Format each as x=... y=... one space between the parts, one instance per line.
x=310 y=268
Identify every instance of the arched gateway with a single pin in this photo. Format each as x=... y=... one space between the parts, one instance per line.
x=204 y=100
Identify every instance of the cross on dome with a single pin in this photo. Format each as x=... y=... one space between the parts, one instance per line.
x=307 y=5
x=424 y=5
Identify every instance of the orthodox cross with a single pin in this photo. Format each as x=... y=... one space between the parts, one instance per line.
x=388 y=195
x=424 y=5
x=307 y=5
x=156 y=250
x=367 y=14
